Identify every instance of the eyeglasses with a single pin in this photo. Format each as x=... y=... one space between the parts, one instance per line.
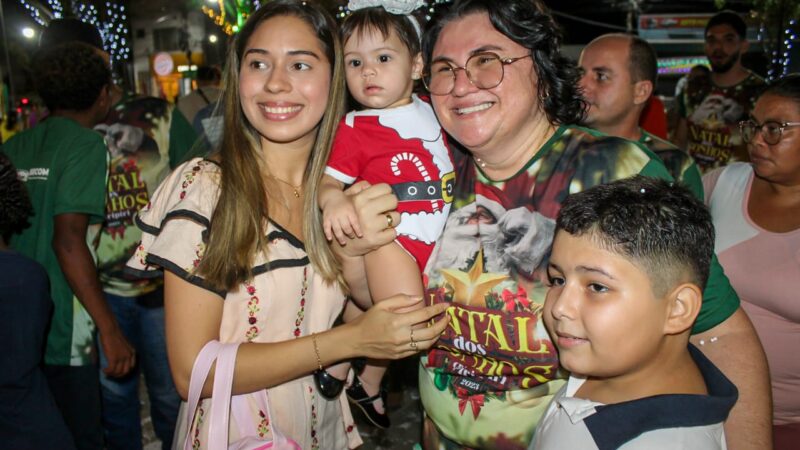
x=484 y=71
x=771 y=131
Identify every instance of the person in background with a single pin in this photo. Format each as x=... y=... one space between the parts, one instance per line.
x=625 y=283
x=201 y=108
x=695 y=74
x=491 y=374
x=619 y=76
x=64 y=165
x=698 y=84
x=244 y=256
x=146 y=138
x=756 y=211
x=708 y=124
x=207 y=92
x=700 y=78
x=29 y=417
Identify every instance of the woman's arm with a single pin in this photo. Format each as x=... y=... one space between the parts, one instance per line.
x=193 y=317
x=733 y=346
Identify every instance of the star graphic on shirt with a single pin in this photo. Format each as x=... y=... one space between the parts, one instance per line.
x=470 y=287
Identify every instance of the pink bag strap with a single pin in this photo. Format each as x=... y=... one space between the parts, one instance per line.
x=222 y=403
x=200 y=370
x=221 y=396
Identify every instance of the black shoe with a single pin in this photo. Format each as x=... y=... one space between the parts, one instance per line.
x=359 y=397
x=328 y=386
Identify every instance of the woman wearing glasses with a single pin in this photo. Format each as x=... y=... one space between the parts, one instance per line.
x=500 y=88
x=756 y=211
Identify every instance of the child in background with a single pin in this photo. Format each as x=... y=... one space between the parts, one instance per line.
x=628 y=262
x=29 y=417
x=395 y=139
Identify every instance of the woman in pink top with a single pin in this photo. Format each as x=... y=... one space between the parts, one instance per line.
x=756 y=211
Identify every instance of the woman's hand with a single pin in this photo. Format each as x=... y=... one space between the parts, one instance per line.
x=385 y=330
x=375 y=207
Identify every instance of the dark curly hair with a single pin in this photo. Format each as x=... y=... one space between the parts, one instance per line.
x=70 y=76
x=15 y=206
x=529 y=24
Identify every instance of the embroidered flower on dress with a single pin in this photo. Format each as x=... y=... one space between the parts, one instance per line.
x=198 y=424
x=301 y=313
x=252 y=311
x=314 y=439
x=141 y=254
x=188 y=179
x=263 y=425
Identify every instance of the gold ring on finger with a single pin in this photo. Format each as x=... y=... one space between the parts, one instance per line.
x=389 y=221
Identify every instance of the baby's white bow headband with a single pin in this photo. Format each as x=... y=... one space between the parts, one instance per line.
x=401 y=7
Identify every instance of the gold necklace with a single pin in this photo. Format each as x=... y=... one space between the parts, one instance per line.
x=295 y=189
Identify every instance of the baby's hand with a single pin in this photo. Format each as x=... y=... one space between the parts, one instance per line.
x=339 y=220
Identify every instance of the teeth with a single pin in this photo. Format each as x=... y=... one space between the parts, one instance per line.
x=281 y=110
x=475 y=108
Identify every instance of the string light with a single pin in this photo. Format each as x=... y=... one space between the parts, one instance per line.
x=112 y=24
x=34 y=12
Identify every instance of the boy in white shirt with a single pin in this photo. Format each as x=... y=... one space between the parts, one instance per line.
x=626 y=272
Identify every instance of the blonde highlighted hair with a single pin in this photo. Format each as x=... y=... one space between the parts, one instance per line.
x=238 y=226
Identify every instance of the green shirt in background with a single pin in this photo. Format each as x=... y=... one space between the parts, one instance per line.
x=64 y=167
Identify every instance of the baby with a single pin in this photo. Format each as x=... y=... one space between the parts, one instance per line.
x=395 y=139
x=626 y=272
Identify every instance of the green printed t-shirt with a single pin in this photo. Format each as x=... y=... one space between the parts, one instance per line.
x=147 y=137
x=64 y=168
x=492 y=373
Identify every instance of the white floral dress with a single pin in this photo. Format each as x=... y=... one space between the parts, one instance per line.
x=285 y=299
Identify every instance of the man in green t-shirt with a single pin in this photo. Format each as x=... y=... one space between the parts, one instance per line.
x=63 y=163
x=619 y=77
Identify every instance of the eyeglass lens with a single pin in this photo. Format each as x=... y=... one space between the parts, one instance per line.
x=485 y=71
x=770 y=131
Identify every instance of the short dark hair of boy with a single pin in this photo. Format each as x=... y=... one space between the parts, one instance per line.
x=376 y=18
x=70 y=76
x=657 y=223
x=728 y=17
x=15 y=205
